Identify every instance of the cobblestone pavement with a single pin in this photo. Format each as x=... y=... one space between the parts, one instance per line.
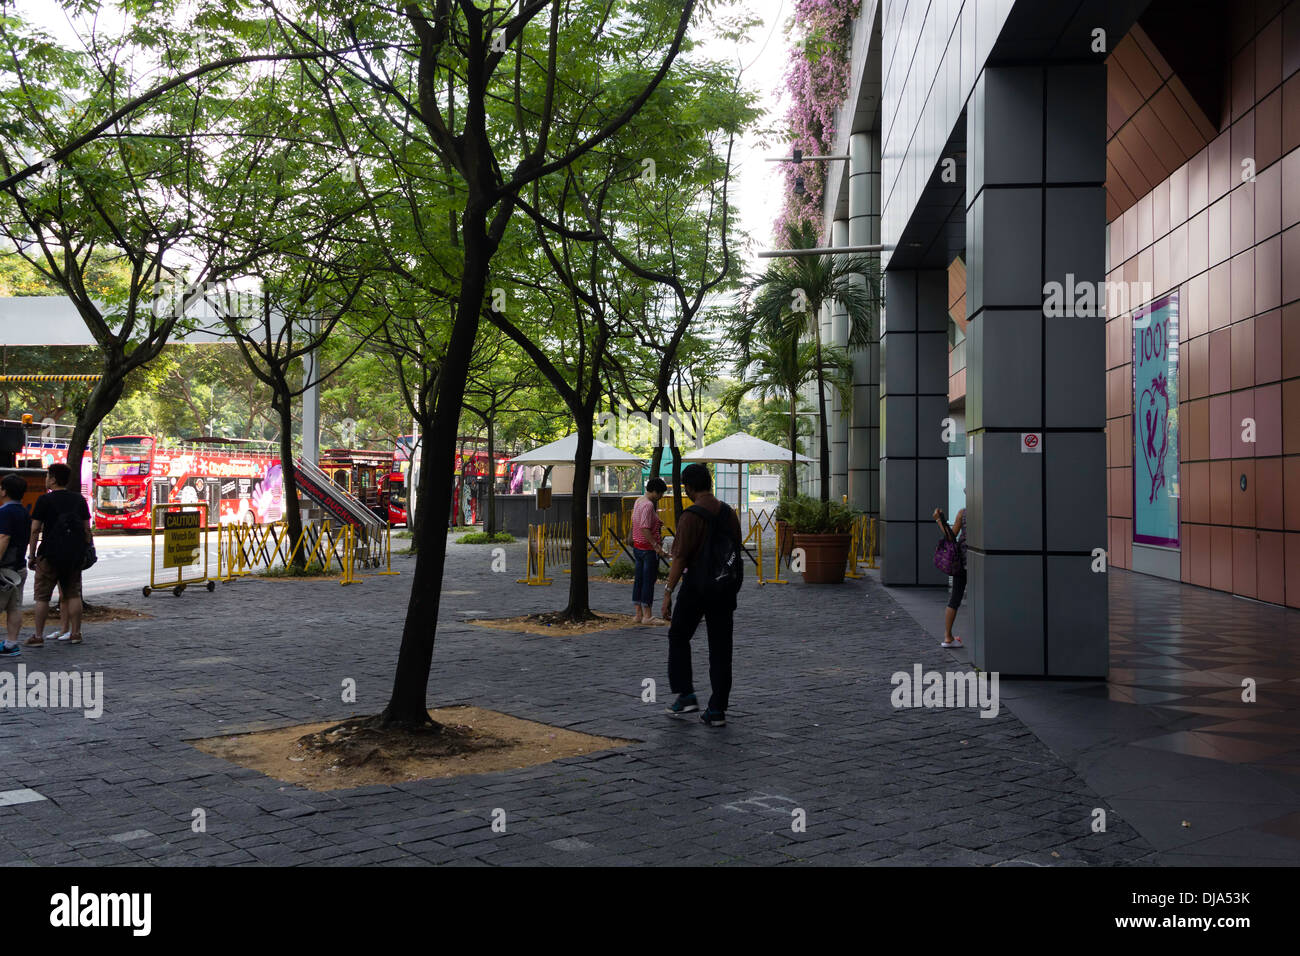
x=811 y=728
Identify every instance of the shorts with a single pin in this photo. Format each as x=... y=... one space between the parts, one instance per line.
x=958 y=590
x=12 y=600
x=68 y=580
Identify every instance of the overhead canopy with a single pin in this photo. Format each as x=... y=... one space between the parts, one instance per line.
x=54 y=320
x=565 y=452
x=740 y=448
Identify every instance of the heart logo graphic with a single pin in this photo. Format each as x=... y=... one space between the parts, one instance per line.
x=1153 y=431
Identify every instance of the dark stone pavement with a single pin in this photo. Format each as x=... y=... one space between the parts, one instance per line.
x=811 y=728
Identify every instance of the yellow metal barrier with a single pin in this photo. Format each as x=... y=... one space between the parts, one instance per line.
x=388 y=550
x=181 y=538
x=349 y=556
x=243 y=549
x=536 y=574
x=857 y=545
x=871 y=546
x=758 y=523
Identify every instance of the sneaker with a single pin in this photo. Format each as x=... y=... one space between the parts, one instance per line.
x=62 y=637
x=955 y=642
x=10 y=649
x=684 y=704
x=713 y=718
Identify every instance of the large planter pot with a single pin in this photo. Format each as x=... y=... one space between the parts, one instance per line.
x=826 y=557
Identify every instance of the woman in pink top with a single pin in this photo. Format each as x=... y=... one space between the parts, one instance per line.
x=647 y=545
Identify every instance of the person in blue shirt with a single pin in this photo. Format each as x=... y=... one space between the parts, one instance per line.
x=15 y=530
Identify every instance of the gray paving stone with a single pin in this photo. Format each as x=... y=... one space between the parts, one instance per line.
x=811 y=726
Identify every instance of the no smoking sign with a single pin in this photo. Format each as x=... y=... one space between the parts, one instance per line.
x=1031 y=443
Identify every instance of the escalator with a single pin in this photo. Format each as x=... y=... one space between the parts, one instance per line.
x=341 y=507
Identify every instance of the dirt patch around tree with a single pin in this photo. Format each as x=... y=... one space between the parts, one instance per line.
x=553 y=622
x=358 y=753
x=94 y=614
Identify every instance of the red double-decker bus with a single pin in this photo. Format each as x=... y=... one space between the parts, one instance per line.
x=241 y=482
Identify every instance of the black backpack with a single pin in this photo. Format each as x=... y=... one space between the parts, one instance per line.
x=65 y=542
x=717 y=570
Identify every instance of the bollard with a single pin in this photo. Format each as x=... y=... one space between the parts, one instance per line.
x=388 y=549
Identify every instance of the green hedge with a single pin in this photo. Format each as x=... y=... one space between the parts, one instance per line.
x=482 y=537
x=623 y=570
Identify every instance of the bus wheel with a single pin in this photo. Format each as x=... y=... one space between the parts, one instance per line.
x=178 y=590
x=147 y=590
x=212 y=586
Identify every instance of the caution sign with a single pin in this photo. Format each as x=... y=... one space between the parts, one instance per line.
x=181 y=538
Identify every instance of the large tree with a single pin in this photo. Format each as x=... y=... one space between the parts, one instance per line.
x=499 y=97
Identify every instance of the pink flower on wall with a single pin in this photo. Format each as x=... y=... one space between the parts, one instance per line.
x=817 y=80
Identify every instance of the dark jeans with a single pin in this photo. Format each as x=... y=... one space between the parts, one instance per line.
x=643 y=582
x=686 y=618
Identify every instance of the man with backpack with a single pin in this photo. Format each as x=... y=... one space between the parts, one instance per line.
x=61 y=547
x=706 y=550
x=15 y=529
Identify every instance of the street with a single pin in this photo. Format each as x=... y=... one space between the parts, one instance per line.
x=123 y=565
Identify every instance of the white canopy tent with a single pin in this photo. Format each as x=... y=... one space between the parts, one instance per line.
x=741 y=449
x=565 y=452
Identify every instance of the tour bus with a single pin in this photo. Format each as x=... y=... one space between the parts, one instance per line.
x=392 y=496
x=25 y=454
x=361 y=473
x=240 y=481
x=42 y=452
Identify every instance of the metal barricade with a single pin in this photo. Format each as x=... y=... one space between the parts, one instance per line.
x=181 y=536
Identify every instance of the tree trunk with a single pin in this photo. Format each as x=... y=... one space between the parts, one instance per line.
x=579 y=608
x=792 y=489
x=102 y=400
x=283 y=404
x=825 y=455
x=407 y=706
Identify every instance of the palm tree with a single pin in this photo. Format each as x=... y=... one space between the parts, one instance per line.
x=790 y=296
x=776 y=366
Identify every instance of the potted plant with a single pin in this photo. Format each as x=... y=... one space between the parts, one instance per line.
x=823 y=530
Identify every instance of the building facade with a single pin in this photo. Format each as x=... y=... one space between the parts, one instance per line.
x=1091 y=329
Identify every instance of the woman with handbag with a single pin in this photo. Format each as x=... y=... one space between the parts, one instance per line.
x=950 y=556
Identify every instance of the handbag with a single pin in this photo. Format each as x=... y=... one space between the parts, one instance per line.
x=948 y=556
